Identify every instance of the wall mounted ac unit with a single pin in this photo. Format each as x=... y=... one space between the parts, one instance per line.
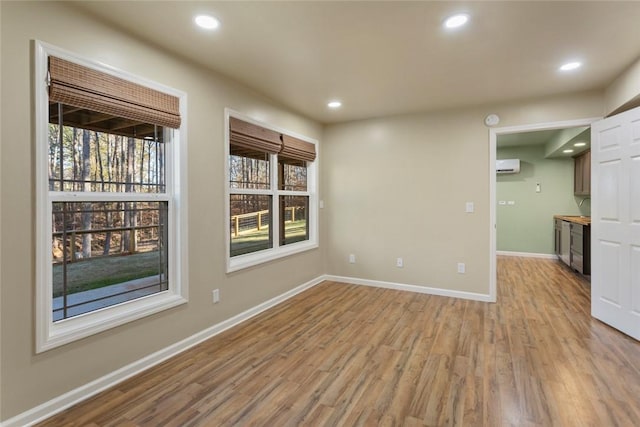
x=508 y=166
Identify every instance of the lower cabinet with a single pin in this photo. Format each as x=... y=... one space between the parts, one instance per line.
x=557 y=236
x=565 y=243
x=581 y=248
x=572 y=244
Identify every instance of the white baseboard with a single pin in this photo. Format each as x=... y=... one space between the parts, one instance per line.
x=60 y=403
x=411 y=288
x=527 y=254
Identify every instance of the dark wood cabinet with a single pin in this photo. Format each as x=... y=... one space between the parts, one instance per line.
x=582 y=174
x=581 y=248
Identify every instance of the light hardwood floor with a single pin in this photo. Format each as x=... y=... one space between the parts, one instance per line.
x=346 y=355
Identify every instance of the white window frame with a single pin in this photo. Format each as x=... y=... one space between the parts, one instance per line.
x=240 y=262
x=50 y=334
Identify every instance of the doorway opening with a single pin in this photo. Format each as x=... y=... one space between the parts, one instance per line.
x=522 y=204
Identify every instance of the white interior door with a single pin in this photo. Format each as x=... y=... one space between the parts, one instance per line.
x=615 y=221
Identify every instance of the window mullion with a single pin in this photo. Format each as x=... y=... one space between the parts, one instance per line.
x=275 y=202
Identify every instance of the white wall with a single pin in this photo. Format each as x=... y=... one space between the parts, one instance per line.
x=527 y=225
x=624 y=92
x=397 y=187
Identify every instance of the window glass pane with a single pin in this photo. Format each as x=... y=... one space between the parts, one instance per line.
x=98 y=152
x=294 y=226
x=250 y=223
x=292 y=174
x=248 y=169
x=106 y=253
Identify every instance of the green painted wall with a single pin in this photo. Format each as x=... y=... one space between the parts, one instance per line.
x=527 y=226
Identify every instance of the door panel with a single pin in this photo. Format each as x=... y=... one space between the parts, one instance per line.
x=608 y=139
x=635 y=189
x=635 y=279
x=609 y=183
x=635 y=126
x=609 y=261
x=615 y=221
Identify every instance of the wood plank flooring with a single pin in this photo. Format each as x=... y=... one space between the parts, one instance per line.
x=347 y=355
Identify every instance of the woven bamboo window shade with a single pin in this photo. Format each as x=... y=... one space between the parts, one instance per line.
x=76 y=85
x=294 y=148
x=253 y=138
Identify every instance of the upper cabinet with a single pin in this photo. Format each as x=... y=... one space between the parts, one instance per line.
x=582 y=174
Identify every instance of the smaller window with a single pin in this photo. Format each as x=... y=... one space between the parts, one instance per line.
x=271 y=193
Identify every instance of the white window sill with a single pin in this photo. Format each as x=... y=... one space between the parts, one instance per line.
x=84 y=325
x=241 y=262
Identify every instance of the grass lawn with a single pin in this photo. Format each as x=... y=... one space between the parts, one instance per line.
x=254 y=240
x=96 y=273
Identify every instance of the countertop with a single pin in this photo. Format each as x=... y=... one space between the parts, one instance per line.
x=582 y=220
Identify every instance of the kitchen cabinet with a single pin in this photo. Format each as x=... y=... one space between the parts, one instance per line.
x=558 y=236
x=573 y=242
x=565 y=243
x=581 y=248
x=582 y=174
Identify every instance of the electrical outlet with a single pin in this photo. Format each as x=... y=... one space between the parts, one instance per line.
x=216 y=296
x=461 y=267
x=399 y=263
x=352 y=258
x=469 y=207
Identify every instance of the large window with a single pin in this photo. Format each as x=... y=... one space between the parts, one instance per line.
x=272 y=200
x=110 y=237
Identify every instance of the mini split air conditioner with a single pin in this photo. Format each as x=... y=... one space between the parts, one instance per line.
x=508 y=166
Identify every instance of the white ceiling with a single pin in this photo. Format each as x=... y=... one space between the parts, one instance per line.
x=384 y=58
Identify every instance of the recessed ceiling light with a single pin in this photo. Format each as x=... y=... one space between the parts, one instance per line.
x=456 y=21
x=579 y=144
x=207 y=22
x=569 y=66
x=567 y=151
x=334 y=104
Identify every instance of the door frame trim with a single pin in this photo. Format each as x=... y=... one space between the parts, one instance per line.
x=493 y=137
